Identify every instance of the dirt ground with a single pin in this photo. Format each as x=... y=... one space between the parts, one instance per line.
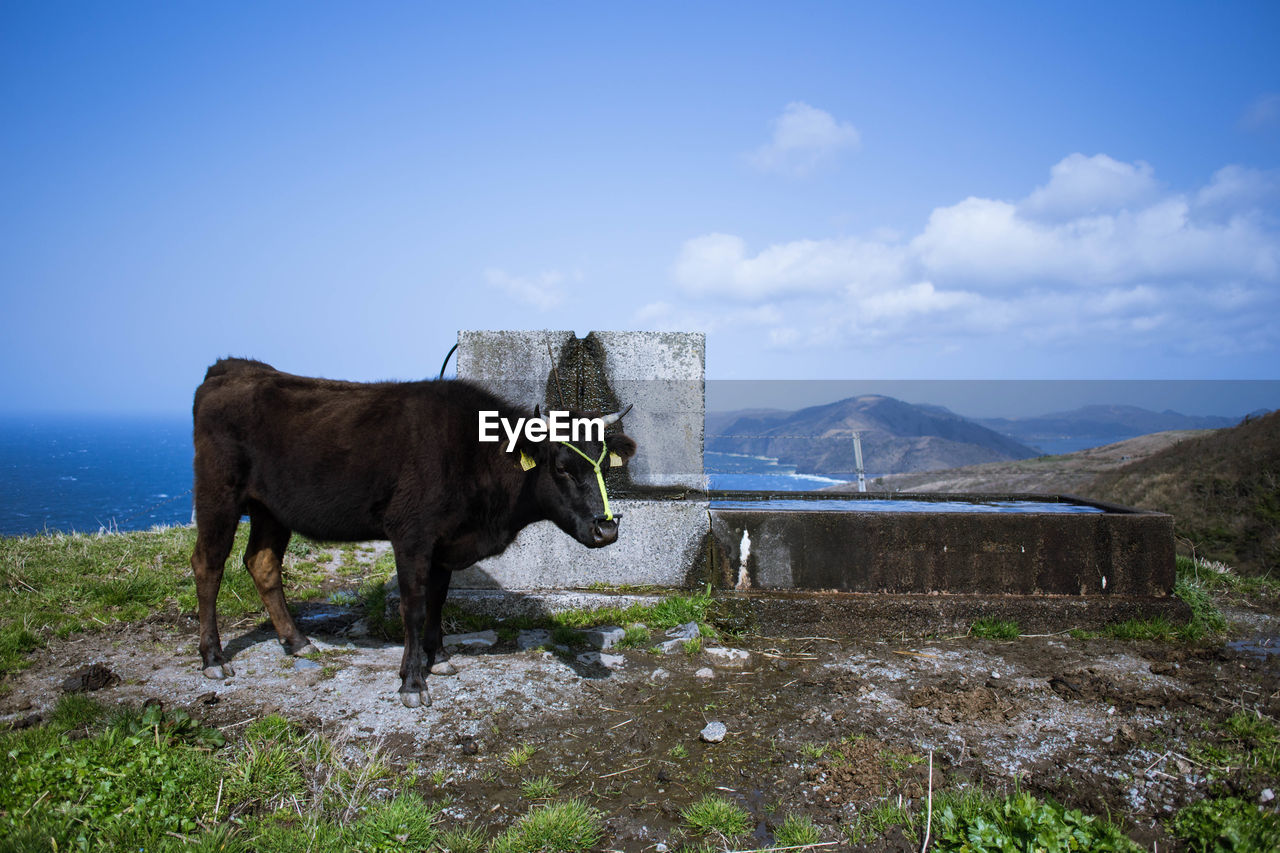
x=822 y=726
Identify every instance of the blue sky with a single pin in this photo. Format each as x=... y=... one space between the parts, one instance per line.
x=829 y=190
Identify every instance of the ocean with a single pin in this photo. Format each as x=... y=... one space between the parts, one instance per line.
x=91 y=473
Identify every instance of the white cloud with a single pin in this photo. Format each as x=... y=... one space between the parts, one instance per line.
x=1080 y=185
x=543 y=291
x=804 y=138
x=1236 y=188
x=1100 y=254
x=718 y=264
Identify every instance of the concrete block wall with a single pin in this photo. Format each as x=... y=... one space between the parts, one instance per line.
x=661 y=375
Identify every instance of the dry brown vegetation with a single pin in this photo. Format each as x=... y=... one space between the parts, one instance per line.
x=1223 y=489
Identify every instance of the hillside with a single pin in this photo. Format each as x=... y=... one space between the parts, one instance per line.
x=1070 y=473
x=896 y=437
x=1100 y=421
x=1223 y=489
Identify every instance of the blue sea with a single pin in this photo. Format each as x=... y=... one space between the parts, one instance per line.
x=91 y=473
x=736 y=472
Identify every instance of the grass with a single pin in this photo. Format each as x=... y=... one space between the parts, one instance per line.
x=539 y=788
x=567 y=827
x=796 y=831
x=715 y=814
x=142 y=779
x=994 y=629
x=971 y=821
x=59 y=584
x=519 y=755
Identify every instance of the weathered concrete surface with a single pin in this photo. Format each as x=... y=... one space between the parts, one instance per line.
x=658 y=544
x=659 y=373
x=1103 y=554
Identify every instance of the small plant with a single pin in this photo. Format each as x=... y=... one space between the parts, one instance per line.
x=635 y=636
x=692 y=646
x=797 y=831
x=994 y=629
x=519 y=755
x=568 y=827
x=462 y=839
x=438 y=778
x=678 y=751
x=539 y=788
x=814 y=751
x=716 y=814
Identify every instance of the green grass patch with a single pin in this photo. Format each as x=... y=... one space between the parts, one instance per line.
x=90 y=779
x=796 y=831
x=567 y=827
x=994 y=629
x=126 y=786
x=1227 y=824
x=972 y=821
x=539 y=788
x=59 y=584
x=715 y=814
x=519 y=756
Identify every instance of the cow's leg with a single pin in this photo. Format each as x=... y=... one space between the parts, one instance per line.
x=413 y=572
x=216 y=520
x=432 y=636
x=267 y=540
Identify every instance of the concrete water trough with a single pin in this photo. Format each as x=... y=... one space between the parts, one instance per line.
x=941 y=558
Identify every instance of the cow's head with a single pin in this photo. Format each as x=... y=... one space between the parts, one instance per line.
x=569 y=484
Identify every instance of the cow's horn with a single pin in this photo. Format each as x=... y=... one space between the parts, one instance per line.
x=616 y=416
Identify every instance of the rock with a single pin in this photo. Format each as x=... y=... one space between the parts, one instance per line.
x=705 y=672
x=1266 y=796
x=604 y=637
x=535 y=638
x=305 y=663
x=359 y=628
x=601 y=659
x=87 y=678
x=477 y=640
x=687 y=631
x=726 y=657
x=713 y=732
x=659 y=674
x=670 y=647
x=209 y=698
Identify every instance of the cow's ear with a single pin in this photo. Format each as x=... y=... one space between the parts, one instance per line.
x=621 y=445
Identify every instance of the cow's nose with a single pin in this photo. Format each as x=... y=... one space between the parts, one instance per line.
x=604 y=532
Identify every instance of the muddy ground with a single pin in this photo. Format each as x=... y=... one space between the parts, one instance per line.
x=825 y=726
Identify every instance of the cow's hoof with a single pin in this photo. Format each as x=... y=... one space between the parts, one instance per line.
x=219 y=671
x=305 y=650
x=414 y=700
x=444 y=667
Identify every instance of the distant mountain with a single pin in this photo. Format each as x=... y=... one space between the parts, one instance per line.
x=896 y=437
x=1110 y=423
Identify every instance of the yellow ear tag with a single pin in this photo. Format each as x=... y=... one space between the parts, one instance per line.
x=526 y=461
x=615 y=461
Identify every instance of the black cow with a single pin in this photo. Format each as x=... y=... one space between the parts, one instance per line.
x=355 y=461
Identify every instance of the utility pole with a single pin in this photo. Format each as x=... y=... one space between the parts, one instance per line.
x=857 y=457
